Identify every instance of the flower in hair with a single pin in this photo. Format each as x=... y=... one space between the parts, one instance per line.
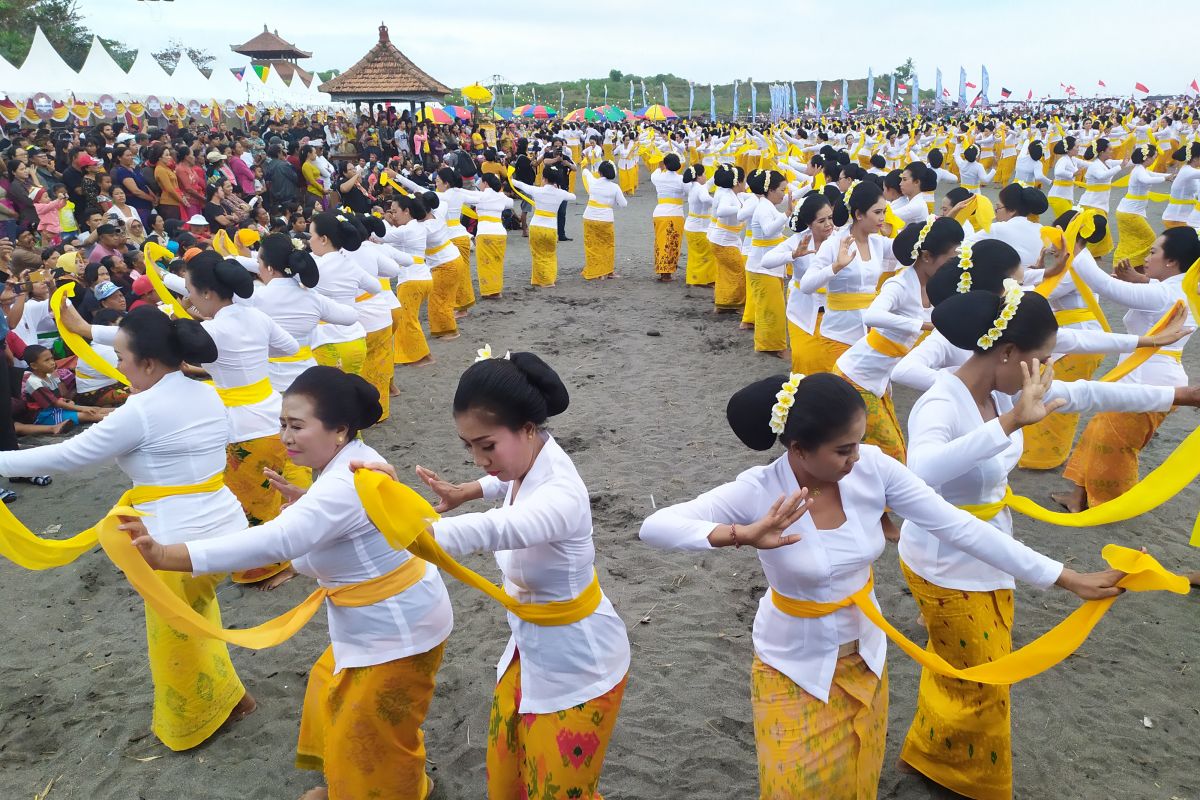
x=849 y=191
x=964 y=263
x=342 y=218
x=785 y=398
x=485 y=352
x=916 y=251
x=1012 y=299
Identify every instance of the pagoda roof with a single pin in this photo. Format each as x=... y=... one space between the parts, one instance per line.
x=270 y=45
x=384 y=73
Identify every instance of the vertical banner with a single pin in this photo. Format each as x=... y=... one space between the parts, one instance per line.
x=916 y=94
x=962 y=88
x=606 y=93
x=631 y=94
x=870 y=87
x=845 y=97
x=644 y=102
x=753 y=100
x=820 y=108
x=983 y=87
x=892 y=94
x=735 y=93
x=691 y=97
x=712 y=102
x=937 y=92
x=587 y=103
x=666 y=99
x=795 y=105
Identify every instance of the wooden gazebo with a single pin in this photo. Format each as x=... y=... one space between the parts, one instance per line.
x=270 y=49
x=385 y=75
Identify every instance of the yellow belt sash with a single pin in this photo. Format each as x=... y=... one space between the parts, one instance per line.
x=971 y=187
x=848 y=301
x=431 y=250
x=768 y=242
x=1064 y=184
x=1099 y=187
x=543 y=213
x=885 y=346
x=303 y=354
x=402 y=517
x=489 y=219
x=1145 y=574
x=670 y=201
x=234 y=396
x=731 y=228
x=1072 y=316
x=597 y=204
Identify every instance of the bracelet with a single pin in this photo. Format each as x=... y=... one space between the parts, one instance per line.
x=733 y=535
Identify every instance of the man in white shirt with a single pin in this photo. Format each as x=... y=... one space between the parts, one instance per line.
x=323 y=165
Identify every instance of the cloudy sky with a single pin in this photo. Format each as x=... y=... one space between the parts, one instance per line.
x=1039 y=44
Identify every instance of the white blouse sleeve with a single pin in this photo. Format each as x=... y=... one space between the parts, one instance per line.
x=936 y=454
x=545 y=516
x=911 y=498
x=1151 y=296
x=1081 y=340
x=686 y=526
x=1085 y=397
x=120 y=432
x=280 y=342
x=779 y=255
x=880 y=314
x=333 y=312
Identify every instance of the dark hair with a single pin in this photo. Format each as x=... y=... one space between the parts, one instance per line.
x=107 y=316
x=1101 y=223
x=517 y=390
x=33 y=352
x=807 y=211
x=725 y=176
x=607 y=170
x=991 y=262
x=154 y=335
x=671 y=163
x=1142 y=153
x=971 y=153
x=693 y=172
x=342 y=232
x=338 y=398
x=936 y=159
x=865 y=195
x=1063 y=145
x=492 y=181
x=1023 y=200
x=892 y=180
x=430 y=200
x=1036 y=151
x=224 y=276
x=957 y=195
x=1187 y=152
x=944 y=234
x=550 y=174
x=964 y=318
x=371 y=224
x=1182 y=246
x=824 y=405
x=1096 y=148
x=878 y=161
x=450 y=177
x=277 y=252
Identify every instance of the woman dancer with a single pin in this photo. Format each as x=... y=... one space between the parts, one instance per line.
x=599 y=237
x=491 y=238
x=368 y=693
x=332 y=238
x=701 y=267
x=1134 y=234
x=543 y=231
x=818 y=682
x=725 y=236
x=668 y=217
x=765 y=286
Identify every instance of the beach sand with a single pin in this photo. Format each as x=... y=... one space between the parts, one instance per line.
x=650 y=369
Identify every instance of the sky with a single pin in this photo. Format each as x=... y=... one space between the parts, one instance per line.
x=1040 y=45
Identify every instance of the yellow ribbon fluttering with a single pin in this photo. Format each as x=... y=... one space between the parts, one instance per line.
x=1142 y=354
x=1144 y=574
x=78 y=345
x=153 y=253
x=1083 y=223
x=403 y=516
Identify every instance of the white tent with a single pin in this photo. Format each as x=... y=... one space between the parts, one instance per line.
x=42 y=71
x=8 y=75
x=146 y=77
x=100 y=75
x=224 y=86
x=279 y=91
x=188 y=82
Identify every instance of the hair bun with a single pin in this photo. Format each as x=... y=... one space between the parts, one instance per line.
x=543 y=378
x=749 y=412
x=963 y=318
x=191 y=341
x=235 y=276
x=366 y=397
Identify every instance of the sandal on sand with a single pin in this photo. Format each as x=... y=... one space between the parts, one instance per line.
x=36 y=480
x=7 y=496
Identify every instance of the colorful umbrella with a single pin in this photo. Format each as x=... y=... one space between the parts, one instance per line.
x=581 y=114
x=458 y=111
x=659 y=112
x=539 y=112
x=519 y=111
x=501 y=113
x=477 y=94
x=435 y=115
x=611 y=113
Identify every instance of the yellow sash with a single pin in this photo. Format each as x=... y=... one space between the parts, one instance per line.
x=1067 y=240
x=1137 y=197
x=364 y=297
x=513 y=186
x=885 y=346
x=78 y=345
x=402 y=517
x=1098 y=187
x=848 y=301
x=543 y=213
x=1145 y=574
x=152 y=253
x=26 y=549
x=731 y=228
x=768 y=242
x=1142 y=354
x=671 y=201
x=489 y=219
x=597 y=204
x=234 y=396
x=1064 y=184
x=1071 y=316
x=303 y=354
x=431 y=250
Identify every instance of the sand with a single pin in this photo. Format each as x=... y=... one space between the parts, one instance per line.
x=650 y=370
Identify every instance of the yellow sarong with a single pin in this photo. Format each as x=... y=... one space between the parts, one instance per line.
x=346 y=356
x=441 y=298
x=883 y=426
x=408 y=339
x=244 y=465
x=464 y=296
x=961 y=735
x=379 y=365
x=362 y=726
x=1134 y=239
x=701 y=268
x=489 y=258
x=543 y=248
x=195 y=684
x=599 y=249
x=1048 y=443
x=1105 y=462
x=730 y=291
x=668 y=241
x=770 y=317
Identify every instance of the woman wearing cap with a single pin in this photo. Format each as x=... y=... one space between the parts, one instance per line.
x=181 y=455
x=369 y=692
x=818 y=681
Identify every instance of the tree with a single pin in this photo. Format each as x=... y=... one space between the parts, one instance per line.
x=168 y=57
x=120 y=53
x=58 y=19
x=328 y=74
x=904 y=72
x=615 y=75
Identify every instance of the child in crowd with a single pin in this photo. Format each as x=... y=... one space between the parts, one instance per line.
x=46 y=394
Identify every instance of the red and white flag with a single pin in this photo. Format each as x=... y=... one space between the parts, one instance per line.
x=945 y=92
x=1195 y=86
x=978 y=97
x=901 y=88
x=1141 y=87
x=971 y=85
x=1103 y=84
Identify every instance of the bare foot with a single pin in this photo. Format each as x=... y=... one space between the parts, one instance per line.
x=612 y=276
x=319 y=793
x=62 y=427
x=1194 y=578
x=491 y=296
x=244 y=708
x=746 y=326
x=665 y=278
x=921 y=621
x=784 y=354
x=276 y=580
x=445 y=337
x=460 y=313
x=906 y=768
x=1068 y=500
x=421 y=362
